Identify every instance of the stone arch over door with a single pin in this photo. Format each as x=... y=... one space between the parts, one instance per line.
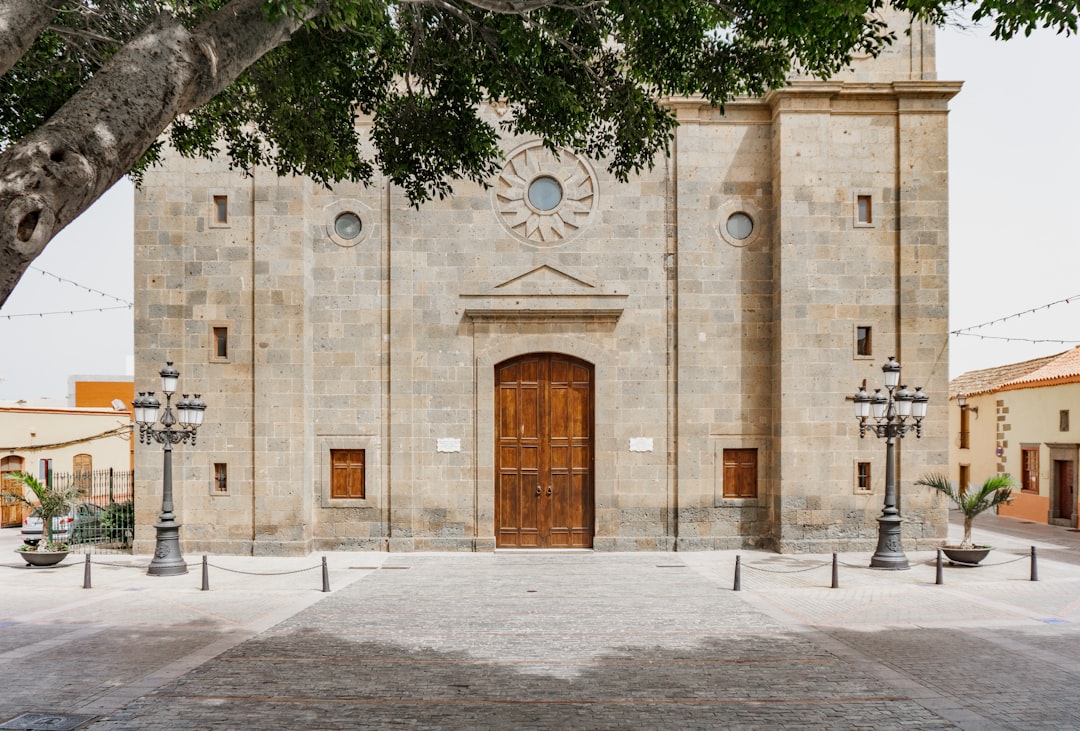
x=544 y=451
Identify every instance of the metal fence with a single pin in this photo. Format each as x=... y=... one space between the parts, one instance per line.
x=105 y=516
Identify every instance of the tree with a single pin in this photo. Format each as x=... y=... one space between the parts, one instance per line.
x=52 y=503
x=87 y=87
x=972 y=501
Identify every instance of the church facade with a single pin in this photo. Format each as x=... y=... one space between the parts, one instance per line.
x=563 y=360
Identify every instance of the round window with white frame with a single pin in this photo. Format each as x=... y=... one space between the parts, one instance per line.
x=739 y=223
x=347 y=222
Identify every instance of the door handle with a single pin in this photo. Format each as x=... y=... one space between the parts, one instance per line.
x=537 y=489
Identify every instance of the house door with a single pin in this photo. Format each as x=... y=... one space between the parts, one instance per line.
x=11 y=513
x=1063 y=482
x=544 y=452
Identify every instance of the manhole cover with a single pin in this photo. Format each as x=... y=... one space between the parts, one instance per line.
x=47 y=721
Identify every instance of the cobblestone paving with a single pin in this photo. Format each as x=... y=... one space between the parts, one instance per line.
x=539 y=641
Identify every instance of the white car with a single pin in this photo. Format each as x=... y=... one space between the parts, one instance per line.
x=83 y=523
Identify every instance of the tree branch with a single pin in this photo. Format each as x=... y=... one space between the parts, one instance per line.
x=55 y=173
x=21 y=22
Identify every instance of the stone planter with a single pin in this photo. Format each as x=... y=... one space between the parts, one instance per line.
x=962 y=556
x=42 y=558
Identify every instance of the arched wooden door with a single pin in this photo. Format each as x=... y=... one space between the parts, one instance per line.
x=544 y=452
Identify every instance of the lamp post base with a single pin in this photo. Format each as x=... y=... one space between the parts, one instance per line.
x=890 y=551
x=167 y=559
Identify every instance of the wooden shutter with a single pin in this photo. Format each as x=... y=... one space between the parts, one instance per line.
x=740 y=473
x=347 y=473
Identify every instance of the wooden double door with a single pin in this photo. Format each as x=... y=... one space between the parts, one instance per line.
x=544 y=452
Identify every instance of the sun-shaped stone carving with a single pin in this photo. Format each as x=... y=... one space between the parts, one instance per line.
x=542 y=198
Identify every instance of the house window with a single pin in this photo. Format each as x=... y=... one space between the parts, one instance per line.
x=347 y=473
x=965 y=427
x=965 y=478
x=864 y=340
x=1063 y=420
x=219 y=343
x=83 y=466
x=221 y=209
x=740 y=473
x=862 y=476
x=221 y=478
x=1029 y=469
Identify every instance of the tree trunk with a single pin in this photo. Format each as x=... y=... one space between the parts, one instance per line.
x=52 y=175
x=966 y=543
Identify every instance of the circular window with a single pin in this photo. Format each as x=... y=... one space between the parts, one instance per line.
x=545 y=193
x=739 y=226
x=348 y=225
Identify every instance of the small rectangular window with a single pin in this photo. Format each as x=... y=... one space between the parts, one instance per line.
x=347 y=473
x=740 y=473
x=1029 y=469
x=865 y=204
x=864 y=340
x=965 y=477
x=221 y=477
x=1063 y=420
x=862 y=476
x=965 y=427
x=221 y=209
x=221 y=343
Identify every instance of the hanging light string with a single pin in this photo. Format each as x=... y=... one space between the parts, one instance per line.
x=82 y=286
x=69 y=312
x=968 y=330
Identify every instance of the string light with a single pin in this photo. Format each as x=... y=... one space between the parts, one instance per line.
x=70 y=312
x=966 y=330
x=83 y=287
x=1015 y=340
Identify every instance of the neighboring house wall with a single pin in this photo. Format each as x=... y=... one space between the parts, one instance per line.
x=104 y=392
x=710 y=369
x=1026 y=427
x=1030 y=420
x=70 y=438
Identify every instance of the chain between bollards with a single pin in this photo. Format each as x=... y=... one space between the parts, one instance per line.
x=86 y=573
x=205 y=575
x=738 y=574
x=940 y=576
x=325 y=576
x=1034 y=565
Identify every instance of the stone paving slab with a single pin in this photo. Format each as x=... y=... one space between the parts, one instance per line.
x=548 y=640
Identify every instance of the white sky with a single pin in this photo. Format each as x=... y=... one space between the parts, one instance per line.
x=1014 y=163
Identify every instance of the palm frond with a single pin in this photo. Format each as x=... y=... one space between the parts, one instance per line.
x=996 y=490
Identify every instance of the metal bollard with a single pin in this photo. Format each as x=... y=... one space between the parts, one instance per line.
x=940 y=577
x=205 y=575
x=835 y=573
x=1034 y=565
x=86 y=573
x=325 y=576
x=738 y=574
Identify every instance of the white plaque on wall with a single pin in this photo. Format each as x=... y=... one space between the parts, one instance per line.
x=640 y=444
x=448 y=444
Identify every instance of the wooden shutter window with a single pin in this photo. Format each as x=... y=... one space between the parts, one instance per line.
x=740 y=473
x=347 y=473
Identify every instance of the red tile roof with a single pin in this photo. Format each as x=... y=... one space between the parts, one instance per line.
x=1063 y=367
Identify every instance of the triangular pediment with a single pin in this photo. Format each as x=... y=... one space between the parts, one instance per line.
x=544 y=279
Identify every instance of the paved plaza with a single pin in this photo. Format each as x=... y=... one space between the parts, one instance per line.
x=548 y=640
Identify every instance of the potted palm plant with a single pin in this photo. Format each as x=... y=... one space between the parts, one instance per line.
x=971 y=501
x=52 y=502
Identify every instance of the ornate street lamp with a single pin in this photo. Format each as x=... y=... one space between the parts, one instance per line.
x=167 y=560
x=895 y=413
